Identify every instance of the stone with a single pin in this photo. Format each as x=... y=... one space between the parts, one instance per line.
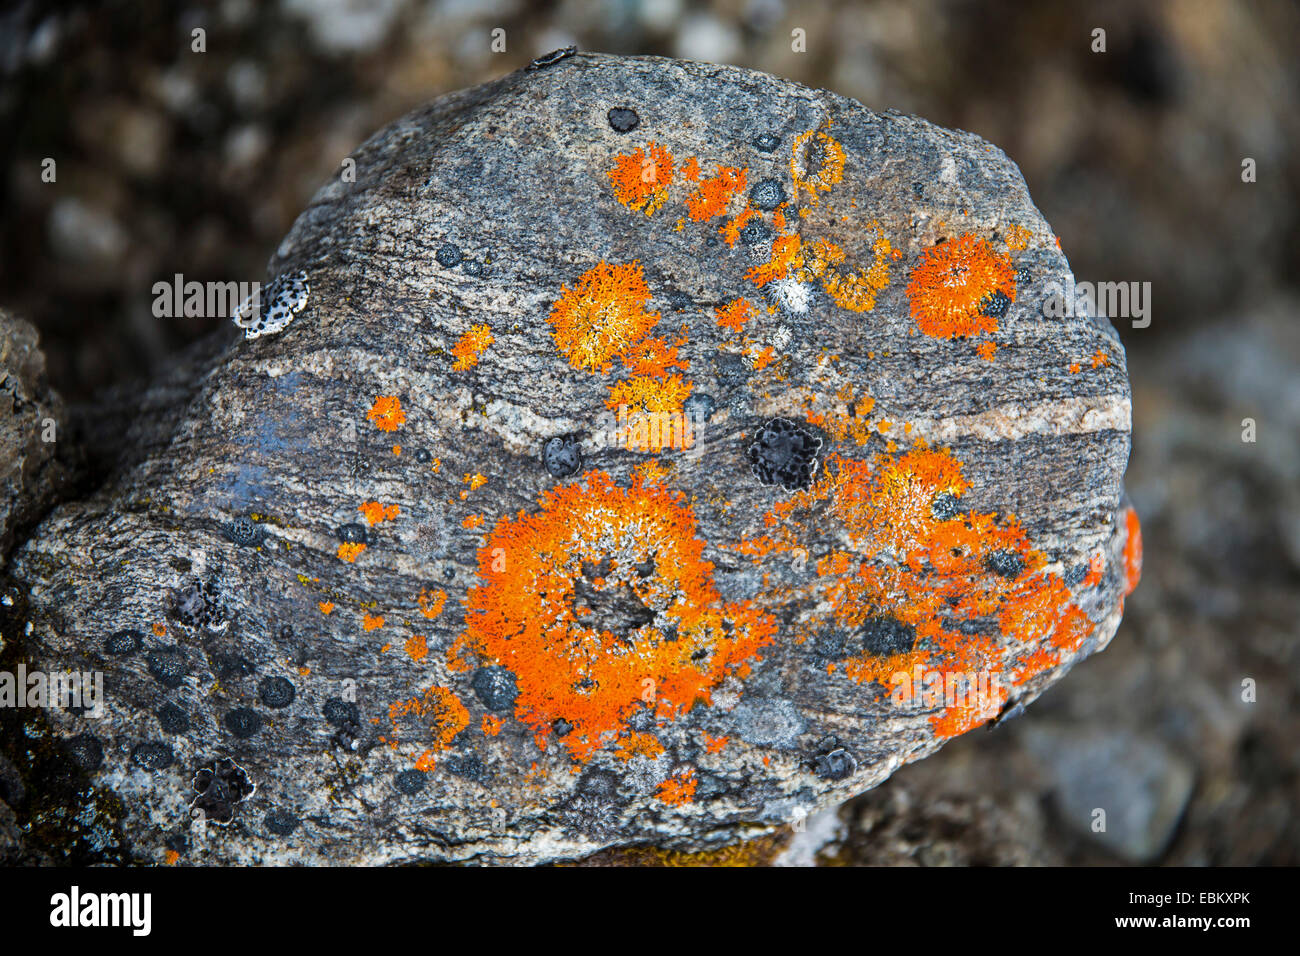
x=674 y=637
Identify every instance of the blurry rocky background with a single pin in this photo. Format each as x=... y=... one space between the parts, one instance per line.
x=168 y=160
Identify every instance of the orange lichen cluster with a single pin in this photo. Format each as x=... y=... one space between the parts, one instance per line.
x=679 y=788
x=372 y=622
x=953 y=283
x=441 y=708
x=417 y=647
x=785 y=256
x=470 y=346
x=603 y=316
x=654 y=357
x=531 y=617
x=847 y=419
x=350 y=551
x=734 y=314
x=326 y=607
x=431 y=605
x=375 y=512
x=816 y=164
x=1132 y=551
x=712 y=197
x=386 y=413
x=1017 y=237
x=855 y=290
x=641 y=179
x=937 y=578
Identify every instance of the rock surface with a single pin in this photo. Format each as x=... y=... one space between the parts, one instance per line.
x=353 y=604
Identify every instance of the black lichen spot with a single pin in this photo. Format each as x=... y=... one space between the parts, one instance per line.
x=885 y=636
x=496 y=688
x=995 y=305
x=410 y=782
x=85 y=751
x=918 y=190
x=423 y=456
x=152 y=755
x=731 y=370
x=766 y=142
x=286 y=632
x=699 y=406
x=623 y=119
x=472 y=267
x=244 y=531
x=466 y=765
x=448 y=255
x=945 y=506
x=167 y=665
x=219 y=787
x=123 y=642
x=767 y=194
x=1006 y=563
x=680 y=301
x=353 y=533
x=340 y=712
x=755 y=231
x=233 y=667
x=561 y=727
x=200 y=605
x=833 y=762
x=243 y=722
x=1022 y=276
x=562 y=456
x=555 y=56
x=281 y=822
x=173 y=719
x=275 y=692
x=784 y=453
x=830 y=646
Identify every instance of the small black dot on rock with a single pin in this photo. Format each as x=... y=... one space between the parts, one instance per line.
x=85 y=751
x=755 y=231
x=341 y=712
x=411 y=782
x=767 y=194
x=766 y=142
x=448 y=255
x=995 y=305
x=555 y=56
x=423 y=456
x=784 y=454
x=472 y=267
x=276 y=692
x=168 y=667
x=835 y=763
x=945 y=506
x=885 y=636
x=353 y=533
x=152 y=755
x=244 y=531
x=123 y=642
x=623 y=119
x=1006 y=563
x=243 y=722
x=496 y=688
x=173 y=719
x=281 y=822
x=699 y=406
x=562 y=456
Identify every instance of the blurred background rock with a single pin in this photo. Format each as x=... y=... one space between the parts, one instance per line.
x=170 y=160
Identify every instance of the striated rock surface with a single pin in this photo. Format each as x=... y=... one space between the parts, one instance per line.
x=635 y=452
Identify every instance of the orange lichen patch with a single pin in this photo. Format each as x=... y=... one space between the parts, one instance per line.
x=159 y=629
x=431 y=604
x=445 y=715
x=372 y=622
x=350 y=552
x=654 y=357
x=475 y=481
x=764 y=358
x=641 y=179
x=734 y=314
x=1100 y=358
x=679 y=788
x=602 y=316
x=417 y=647
x=535 y=616
x=470 y=346
x=1132 y=551
x=816 y=164
x=638 y=745
x=785 y=256
x=375 y=512
x=1018 y=237
x=731 y=229
x=954 y=282
x=1075 y=368
x=846 y=420
x=326 y=607
x=653 y=472
x=386 y=413
x=646 y=394
x=691 y=169
x=911 y=572
x=712 y=197
x=492 y=725
x=171 y=856
x=851 y=289
x=986 y=350
x=397 y=449
x=472 y=522
x=426 y=762
x=714 y=745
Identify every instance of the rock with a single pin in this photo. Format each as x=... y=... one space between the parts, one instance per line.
x=721 y=623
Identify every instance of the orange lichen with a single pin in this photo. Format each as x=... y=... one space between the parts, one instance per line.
x=679 y=788
x=691 y=169
x=714 y=745
x=763 y=358
x=386 y=413
x=785 y=256
x=654 y=357
x=731 y=229
x=475 y=481
x=446 y=715
x=986 y=350
x=954 y=283
x=426 y=762
x=326 y=607
x=470 y=346
x=472 y=522
x=417 y=647
x=350 y=551
x=1018 y=237
x=712 y=197
x=641 y=179
x=816 y=164
x=375 y=512
x=1100 y=358
x=492 y=724
x=734 y=314
x=603 y=316
x=1075 y=368
x=533 y=616
x=159 y=629
x=431 y=604
x=1132 y=551
x=372 y=622
x=851 y=289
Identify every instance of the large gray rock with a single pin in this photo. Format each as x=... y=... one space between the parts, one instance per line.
x=386 y=589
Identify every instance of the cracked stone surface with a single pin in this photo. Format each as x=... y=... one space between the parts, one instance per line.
x=491 y=663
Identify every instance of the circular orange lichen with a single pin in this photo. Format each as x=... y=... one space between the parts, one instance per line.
x=956 y=283
x=664 y=639
x=603 y=316
x=387 y=413
x=641 y=178
x=816 y=163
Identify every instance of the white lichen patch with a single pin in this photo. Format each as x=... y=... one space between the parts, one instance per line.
x=270 y=309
